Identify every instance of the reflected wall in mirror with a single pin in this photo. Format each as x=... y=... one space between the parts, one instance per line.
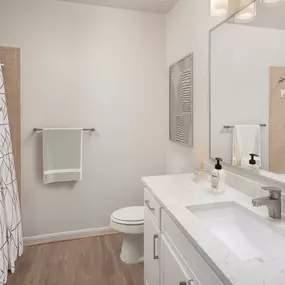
x=247 y=71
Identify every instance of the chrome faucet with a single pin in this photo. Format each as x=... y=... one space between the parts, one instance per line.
x=272 y=202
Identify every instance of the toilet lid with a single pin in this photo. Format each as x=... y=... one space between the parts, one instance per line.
x=130 y=214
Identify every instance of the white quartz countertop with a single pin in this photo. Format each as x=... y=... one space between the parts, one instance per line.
x=175 y=192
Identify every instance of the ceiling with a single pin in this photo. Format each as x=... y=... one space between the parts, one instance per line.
x=272 y=17
x=153 y=6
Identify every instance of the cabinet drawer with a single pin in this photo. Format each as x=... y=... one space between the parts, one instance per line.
x=201 y=270
x=153 y=206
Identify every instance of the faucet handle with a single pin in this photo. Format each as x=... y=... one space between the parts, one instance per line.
x=275 y=192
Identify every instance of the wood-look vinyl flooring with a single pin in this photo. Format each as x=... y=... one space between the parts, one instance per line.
x=88 y=261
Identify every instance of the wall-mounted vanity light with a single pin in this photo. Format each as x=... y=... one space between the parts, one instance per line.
x=224 y=7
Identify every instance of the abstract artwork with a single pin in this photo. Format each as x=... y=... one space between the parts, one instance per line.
x=181 y=101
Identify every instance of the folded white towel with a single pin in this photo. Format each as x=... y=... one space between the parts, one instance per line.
x=62 y=155
x=246 y=140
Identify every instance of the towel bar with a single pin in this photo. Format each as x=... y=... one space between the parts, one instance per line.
x=85 y=130
x=230 y=127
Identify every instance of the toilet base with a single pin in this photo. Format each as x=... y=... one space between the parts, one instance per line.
x=132 y=248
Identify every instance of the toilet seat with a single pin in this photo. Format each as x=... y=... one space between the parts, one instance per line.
x=129 y=216
x=128 y=223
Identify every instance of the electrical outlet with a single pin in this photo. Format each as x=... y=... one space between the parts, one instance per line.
x=283 y=93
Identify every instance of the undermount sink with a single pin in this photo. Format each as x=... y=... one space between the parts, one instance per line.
x=246 y=234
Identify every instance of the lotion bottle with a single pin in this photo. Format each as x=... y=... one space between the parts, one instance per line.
x=218 y=177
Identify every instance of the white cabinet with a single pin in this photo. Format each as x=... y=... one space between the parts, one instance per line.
x=169 y=257
x=200 y=271
x=151 y=249
x=174 y=270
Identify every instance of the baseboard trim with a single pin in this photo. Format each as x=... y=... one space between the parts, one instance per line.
x=49 y=238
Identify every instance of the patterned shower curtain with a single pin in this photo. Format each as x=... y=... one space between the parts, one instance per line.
x=11 y=240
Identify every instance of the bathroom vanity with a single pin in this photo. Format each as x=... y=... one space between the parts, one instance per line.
x=196 y=237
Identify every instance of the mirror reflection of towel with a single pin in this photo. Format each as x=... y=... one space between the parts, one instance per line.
x=246 y=140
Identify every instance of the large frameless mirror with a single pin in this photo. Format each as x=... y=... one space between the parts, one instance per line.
x=247 y=89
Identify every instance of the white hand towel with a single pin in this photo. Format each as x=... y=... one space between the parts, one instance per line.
x=246 y=140
x=62 y=155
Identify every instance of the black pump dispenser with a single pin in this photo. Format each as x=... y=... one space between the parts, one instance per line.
x=252 y=161
x=218 y=165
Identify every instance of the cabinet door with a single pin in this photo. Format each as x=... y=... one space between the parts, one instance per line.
x=174 y=271
x=151 y=248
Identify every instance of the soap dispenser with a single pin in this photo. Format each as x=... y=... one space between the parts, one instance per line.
x=252 y=163
x=218 y=177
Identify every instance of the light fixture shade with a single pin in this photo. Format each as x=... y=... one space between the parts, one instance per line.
x=219 y=7
x=271 y=2
x=247 y=14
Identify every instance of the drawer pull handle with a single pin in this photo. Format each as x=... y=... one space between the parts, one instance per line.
x=155 y=256
x=148 y=205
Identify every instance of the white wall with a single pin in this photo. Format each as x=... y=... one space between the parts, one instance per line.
x=86 y=66
x=187 y=30
x=241 y=58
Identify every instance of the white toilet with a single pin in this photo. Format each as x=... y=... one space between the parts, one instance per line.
x=130 y=222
